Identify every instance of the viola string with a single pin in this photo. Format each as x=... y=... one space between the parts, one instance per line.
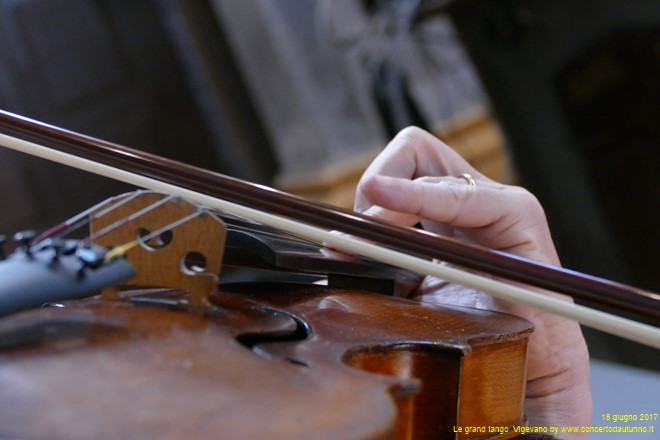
x=79 y=220
x=113 y=226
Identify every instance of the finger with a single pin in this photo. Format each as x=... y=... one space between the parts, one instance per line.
x=413 y=153
x=442 y=199
x=500 y=215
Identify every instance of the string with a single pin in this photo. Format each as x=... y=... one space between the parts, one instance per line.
x=113 y=226
x=94 y=213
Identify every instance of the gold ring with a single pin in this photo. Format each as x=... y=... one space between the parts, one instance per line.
x=469 y=179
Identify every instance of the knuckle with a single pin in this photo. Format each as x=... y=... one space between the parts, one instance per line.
x=411 y=136
x=411 y=132
x=460 y=193
x=367 y=187
x=529 y=203
x=458 y=197
x=427 y=179
x=532 y=214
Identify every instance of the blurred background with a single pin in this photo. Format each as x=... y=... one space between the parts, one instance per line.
x=561 y=97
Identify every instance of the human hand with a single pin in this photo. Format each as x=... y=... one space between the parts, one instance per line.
x=414 y=180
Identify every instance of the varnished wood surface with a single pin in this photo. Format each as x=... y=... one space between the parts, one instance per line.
x=263 y=363
x=407 y=340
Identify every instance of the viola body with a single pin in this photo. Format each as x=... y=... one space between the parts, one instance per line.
x=189 y=359
x=266 y=360
x=262 y=361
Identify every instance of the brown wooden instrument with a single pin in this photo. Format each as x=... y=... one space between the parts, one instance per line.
x=250 y=360
x=171 y=355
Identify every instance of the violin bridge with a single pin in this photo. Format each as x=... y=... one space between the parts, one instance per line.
x=170 y=242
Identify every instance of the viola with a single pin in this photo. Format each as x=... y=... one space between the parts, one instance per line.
x=252 y=360
x=185 y=357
